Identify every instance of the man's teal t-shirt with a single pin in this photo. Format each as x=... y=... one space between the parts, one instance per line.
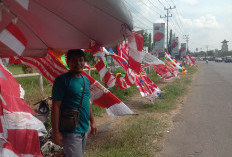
x=68 y=89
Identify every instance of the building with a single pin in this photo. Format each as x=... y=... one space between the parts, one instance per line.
x=224 y=46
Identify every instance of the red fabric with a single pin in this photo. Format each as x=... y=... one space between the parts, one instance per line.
x=12 y=102
x=109 y=100
x=123 y=50
x=100 y=65
x=139 y=41
x=25 y=141
x=134 y=65
x=121 y=61
x=163 y=71
x=48 y=66
x=15 y=31
x=107 y=77
x=10 y=148
x=121 y=83
x=95 y=47
x=130 y=79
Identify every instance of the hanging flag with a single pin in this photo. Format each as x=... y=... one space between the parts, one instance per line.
x=190 y=61
x=102 y=70
x=50 y=68
x=13 y=38
x=146 y=86
x=19 y=127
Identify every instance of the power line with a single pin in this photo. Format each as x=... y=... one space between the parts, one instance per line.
x=162 y=4
x=137 y=11
x=167 y=16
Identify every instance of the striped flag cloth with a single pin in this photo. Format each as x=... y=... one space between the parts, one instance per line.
x=50 y=68
x=13 y=38
x=19 y=129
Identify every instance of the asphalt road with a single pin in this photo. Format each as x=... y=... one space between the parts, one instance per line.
x=204 y=126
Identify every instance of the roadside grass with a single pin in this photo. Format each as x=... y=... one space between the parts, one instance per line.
x=137 y=138
x=32 y=90
x=15 y=69
x=140 y=136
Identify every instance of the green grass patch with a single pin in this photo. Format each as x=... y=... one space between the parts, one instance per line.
x=136 y=138
x=15 y=69
x=32 y=89
x=123 y=94
x=153 y=75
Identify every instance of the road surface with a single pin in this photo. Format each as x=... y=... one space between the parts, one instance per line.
x=204 y=126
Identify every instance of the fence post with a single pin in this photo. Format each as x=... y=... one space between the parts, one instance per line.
x=41 y=85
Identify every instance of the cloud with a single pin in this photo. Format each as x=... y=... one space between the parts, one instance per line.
x=206 y=21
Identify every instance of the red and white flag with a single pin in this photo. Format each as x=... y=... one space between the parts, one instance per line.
x=18 y=126
x=13 y=38
x=50 y=68
x=102 y=70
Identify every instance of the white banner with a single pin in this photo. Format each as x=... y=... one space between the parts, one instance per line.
x=183 y=49
x=175 y=47
x=158 y=38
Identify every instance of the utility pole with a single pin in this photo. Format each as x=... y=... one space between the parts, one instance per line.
x=167 y=16
x=186 y=37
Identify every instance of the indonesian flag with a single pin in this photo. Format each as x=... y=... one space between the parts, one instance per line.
x=87 y=65
x=135 y=53
x=18 y=127
x=123 y=50
x=50 y=68
x=13 y=38
x=173 y=63
x=109 y=79
x=130 y=77
x=146 y=86
x=122 y=83
x=102 y=70
x=190 y=60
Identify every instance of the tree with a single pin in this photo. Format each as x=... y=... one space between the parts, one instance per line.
x=147 y=41
x=170 y=42
x=210 y=53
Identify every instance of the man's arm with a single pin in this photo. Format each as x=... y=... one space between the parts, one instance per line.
x=92 y=123
x=55 y=116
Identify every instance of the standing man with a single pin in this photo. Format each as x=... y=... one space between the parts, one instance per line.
x=67 y=94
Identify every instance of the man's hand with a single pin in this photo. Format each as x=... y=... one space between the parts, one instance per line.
x=93 y=130
x=57 y=138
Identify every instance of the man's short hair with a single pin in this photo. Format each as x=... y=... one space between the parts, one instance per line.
x=75 y=52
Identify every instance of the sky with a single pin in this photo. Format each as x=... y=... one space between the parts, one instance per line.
x=206 y=22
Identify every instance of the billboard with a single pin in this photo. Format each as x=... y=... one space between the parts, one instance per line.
x=175 y=47
x=158 y=39
x=183 y=49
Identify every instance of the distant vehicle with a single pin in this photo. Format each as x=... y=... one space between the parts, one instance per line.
x=218 y=59
x=228 y=59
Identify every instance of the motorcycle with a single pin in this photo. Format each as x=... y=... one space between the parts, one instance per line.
x=47 y=147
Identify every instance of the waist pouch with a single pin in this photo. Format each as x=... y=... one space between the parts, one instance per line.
x=69 y=119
